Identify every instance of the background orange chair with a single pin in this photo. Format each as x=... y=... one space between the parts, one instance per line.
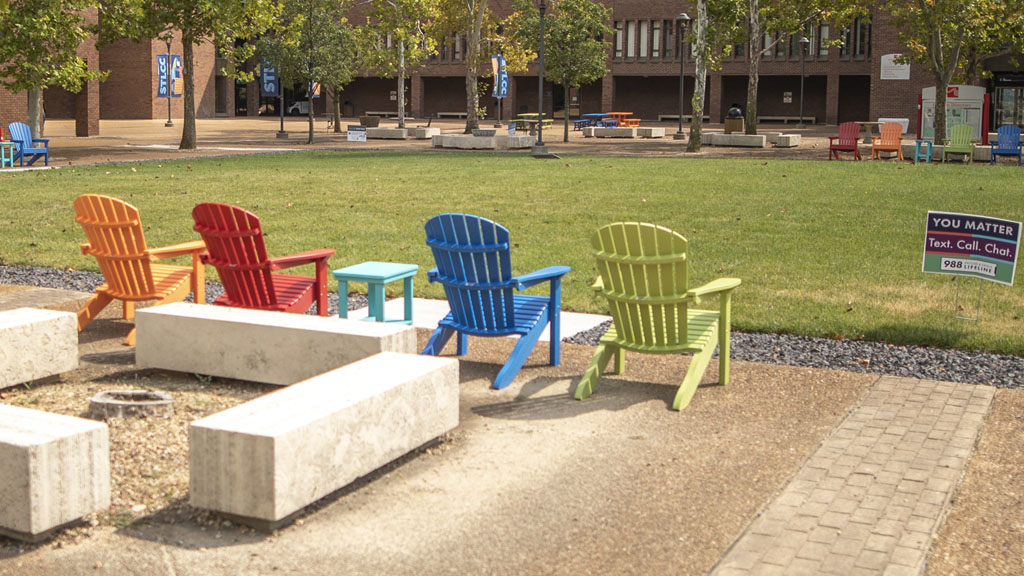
x=891 y=140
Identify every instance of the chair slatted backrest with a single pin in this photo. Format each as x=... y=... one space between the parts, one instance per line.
x=1009 y=137
x=474 y=265
x=115 y=237
x=643 y=268
x=20 y=134
x=961 y=134
x=849 y=132
x=891 y=134
x=235 y=247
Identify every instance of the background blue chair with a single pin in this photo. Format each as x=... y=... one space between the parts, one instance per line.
x=474 y=265
x=1007 y=143
x=26 y=144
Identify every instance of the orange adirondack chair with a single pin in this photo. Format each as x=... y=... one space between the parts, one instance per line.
x=114 y=231
x=846 y=141
x=891 y=140
x=234 y=240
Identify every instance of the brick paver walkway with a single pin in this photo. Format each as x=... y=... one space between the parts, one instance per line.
x=870 y=500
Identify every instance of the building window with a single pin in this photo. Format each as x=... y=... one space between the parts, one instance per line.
x=781 y=46
x=631 y=39
x=458 y=48
x=739 y=51
x=644 y=36
x=857 y=40
x=794 y=44
x=823 y=40
x=618 y=39
x=656 y=39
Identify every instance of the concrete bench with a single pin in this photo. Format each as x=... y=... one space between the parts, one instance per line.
x=650 y=132
x=675 y=117
x=425 y=132
x=619 y=132
x=36 y=343
x=269 y=347
x=450 y=115
x=55 y=470
x=786 y=119
x=736 y=139
x=262 y=461
x=787 y=140
x=387 y=133
x=388 y=114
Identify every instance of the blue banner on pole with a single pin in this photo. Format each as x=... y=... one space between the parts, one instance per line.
x=177 y=86
x=163 y=88
x=500 y=77
x=269 y=82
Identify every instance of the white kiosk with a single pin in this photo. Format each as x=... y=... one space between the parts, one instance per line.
x=964 y=105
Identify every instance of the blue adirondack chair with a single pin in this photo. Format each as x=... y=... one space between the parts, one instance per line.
x=26 y=144
x=473 y=264
x=1007 y=144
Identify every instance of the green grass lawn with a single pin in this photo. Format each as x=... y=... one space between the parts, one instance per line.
x=829 y=249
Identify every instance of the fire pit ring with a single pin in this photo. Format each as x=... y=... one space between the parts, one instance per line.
x=128 y=403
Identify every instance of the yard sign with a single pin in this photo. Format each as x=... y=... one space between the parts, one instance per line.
x=969 y=245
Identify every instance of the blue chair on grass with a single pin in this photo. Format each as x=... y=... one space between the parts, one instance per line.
x=25 y=144
x=473 y=263
x=1007 y=143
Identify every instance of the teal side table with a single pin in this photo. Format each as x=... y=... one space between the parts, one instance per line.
x=7 y=154
x=376 y=275
x=923 y=149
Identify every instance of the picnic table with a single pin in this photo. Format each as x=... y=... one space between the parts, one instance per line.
x=528 y=121
x=625 y=119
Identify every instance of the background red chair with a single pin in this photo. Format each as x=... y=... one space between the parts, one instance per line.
x=846 y=141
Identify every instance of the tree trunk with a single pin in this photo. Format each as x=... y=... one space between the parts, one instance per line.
x=756 y=39
x=700 y=79
x=475 y=10
x=336 y=96
x=940 y=108
x=309 y=100
x=35 y=112
x=188 y=130
x=565 y=113
x=401 y=84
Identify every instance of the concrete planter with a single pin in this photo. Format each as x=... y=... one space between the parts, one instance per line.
x=369 y=121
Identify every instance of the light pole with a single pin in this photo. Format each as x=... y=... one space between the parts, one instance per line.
x=682 y=22
x=804 y=42
x=170 y=81
x=539 y=148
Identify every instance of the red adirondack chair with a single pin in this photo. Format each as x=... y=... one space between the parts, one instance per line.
x=234 y=243
x=846 y=141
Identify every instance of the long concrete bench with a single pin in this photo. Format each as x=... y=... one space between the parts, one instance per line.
x=786 y=119
x=270 y=347
x=617 y=132
x=387 y=133
x=650 y=132
x=675 y=117
x=36 y=343
x=735 y=139
x=263 y=461
x=450 y=115
x=383 y=114
x=54 y=470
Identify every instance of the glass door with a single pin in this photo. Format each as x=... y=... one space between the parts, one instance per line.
x=1009 y=106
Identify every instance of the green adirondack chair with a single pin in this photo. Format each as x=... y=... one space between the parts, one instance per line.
x=643 y=275
x=959 y=142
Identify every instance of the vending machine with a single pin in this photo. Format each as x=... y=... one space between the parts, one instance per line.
x=964 y=105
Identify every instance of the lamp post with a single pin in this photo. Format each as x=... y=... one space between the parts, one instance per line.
x=682 y=22
x=539 y=147
x=804 y=42
x=170 y=81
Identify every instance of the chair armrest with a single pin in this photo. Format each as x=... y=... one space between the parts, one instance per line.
x=192 y=247
x=713 y=287
x=598 y=285
x=543 y=275
x=832 y=139
x=86 y=248
x=43 y=140
x=432 y=275
x=301 y=258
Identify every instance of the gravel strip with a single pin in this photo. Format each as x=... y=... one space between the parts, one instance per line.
x=949 y=365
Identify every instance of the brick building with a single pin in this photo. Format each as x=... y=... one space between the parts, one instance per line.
x=840 y=84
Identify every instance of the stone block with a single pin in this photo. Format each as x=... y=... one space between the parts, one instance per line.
x=650 y=132
x=505 y=142
x=262 y=461
x=56 y=469
x=425 y=132
x=616 y=132
x=36 y=343
x=387 y=133
x=588 y=132
x=771 y=137
x=464 y=141
x=745 y=140
x=788 y=140
x=271 y=347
